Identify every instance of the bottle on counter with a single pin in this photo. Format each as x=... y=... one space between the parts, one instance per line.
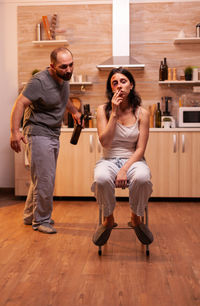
x=70 y=120
x=174 y=74
x=158 y=116
x=94 y=119
x=38 y=32
x=161 y=72
x=87 y=116
x=167 y=112
x=169 y=77
x=162 y=105
x=165 y=68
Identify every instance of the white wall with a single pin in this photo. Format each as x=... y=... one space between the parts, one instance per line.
x=8 y=73
x=8 y=88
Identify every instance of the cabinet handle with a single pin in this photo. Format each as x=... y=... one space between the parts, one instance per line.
x=99 y=145
x=174 y=143
x=91 y=143
x=183 y=143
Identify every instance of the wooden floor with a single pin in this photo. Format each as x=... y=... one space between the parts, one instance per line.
x=64 y=269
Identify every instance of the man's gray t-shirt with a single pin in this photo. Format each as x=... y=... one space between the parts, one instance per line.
x=43 y=117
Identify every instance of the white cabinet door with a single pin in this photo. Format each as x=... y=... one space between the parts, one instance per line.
x=162 y=158
x=189 y=164
x=74 y=174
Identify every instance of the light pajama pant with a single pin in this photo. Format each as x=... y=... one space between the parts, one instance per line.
x=140 y=186
x=42 y=155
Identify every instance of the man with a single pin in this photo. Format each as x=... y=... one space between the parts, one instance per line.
x=43 y=103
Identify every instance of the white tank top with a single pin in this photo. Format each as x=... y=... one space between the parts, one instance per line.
x=124 y=141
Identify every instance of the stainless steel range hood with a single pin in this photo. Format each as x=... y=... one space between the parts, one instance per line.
x=120 y=39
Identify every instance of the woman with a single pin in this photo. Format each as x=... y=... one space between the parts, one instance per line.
x=123 y=129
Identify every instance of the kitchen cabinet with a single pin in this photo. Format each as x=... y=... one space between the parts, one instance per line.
x=189 y=166
x=74 y=174
x=75 y=166
x=171 y=155
x=162 y=158
x=173 y=160
x=22 y=172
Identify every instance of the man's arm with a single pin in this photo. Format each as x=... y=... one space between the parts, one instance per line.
x=16 y=116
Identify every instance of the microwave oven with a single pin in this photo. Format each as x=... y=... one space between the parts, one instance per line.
x=189 y=117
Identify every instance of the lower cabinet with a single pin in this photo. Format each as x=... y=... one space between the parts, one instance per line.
x=173 y=158
x=22 y=173
x=189 y=165
x=75 y=166
x=161 y=156
x=74 y=174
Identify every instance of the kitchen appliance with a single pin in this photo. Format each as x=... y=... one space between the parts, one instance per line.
x=189 y=116
x=120 y=39
x=168 y=101
x=167 y=122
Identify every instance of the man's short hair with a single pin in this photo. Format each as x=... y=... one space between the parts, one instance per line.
x=54 y=53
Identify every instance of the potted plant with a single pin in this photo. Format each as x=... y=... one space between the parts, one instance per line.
x=188 y=73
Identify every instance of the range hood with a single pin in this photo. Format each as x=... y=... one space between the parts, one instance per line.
x=120 y=39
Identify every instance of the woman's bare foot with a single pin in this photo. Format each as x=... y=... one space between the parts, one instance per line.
x=109 y=221
x=135 y=220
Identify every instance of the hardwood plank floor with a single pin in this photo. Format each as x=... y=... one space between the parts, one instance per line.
x=65 y=269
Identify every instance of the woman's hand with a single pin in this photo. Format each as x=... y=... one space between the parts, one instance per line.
x=121 y=179
x=116 y=101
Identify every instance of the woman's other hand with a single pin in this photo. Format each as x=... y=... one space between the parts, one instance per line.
x=121 y=179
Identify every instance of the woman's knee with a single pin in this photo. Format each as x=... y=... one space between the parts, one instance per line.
x=102 y=179
x=142 y=178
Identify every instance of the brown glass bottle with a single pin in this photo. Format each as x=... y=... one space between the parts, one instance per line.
x=165 y=69
x=87 y=115
x=76 y=133
x=158 y=116
x=161 y=72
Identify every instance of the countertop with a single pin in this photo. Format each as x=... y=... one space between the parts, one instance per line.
x=66 y=129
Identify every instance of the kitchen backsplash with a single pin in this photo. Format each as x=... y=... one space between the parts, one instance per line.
x=88 y=30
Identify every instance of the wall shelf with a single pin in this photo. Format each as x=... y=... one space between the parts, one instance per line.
x=80 y=83
x=179 y=82
x=70 y=83
x=50 y=42
x=188 y=40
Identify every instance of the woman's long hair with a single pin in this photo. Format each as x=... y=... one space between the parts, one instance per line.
x=134 y=99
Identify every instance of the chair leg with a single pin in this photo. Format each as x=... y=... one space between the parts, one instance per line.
x=147 y=222
x=100 y=222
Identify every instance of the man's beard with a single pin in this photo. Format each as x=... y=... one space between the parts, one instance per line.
x=66 y=77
